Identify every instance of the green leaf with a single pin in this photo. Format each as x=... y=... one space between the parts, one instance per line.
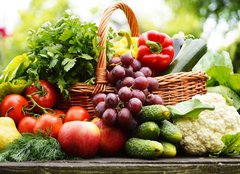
x=68 y=63
x=234 y=82
x=212 y=58
x=220 y=74
x=66 y=35
x=231 y=145
x=86 y=56
x=188 y=109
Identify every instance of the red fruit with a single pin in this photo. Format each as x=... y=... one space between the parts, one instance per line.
x=27 y=124
x=112 y=138
x=79 y=138
x=47 y=97
x=77 y=113
x=48 y=124
x=13 y=106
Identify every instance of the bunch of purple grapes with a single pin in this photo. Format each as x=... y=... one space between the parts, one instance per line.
x=134 y=85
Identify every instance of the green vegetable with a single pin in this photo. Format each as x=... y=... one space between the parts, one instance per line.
x=169 y=149
x=140 y=148
x=147 y=130
x=15 y=69
x=17 y=86
x=32 y=147
x=231 y=97
x=219 y=68
x=231 y=146
x=170 y=132
x=65 y=52
x=190 y=53
x=190 y=108
x=154 y=113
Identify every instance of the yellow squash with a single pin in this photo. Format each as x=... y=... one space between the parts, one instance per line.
x=8 y=132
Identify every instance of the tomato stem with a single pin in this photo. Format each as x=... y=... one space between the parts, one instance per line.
x=35 y=104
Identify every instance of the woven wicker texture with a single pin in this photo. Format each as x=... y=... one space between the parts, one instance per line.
x=173 y=88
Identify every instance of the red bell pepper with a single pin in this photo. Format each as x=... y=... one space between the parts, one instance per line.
x=155 y=51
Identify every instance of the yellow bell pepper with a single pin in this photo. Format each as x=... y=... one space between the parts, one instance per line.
x=126 y=44
x=8 y=132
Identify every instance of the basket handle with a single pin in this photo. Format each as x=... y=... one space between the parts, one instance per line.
x=102 y=33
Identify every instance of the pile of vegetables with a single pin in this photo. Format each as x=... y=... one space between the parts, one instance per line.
x=132 y=120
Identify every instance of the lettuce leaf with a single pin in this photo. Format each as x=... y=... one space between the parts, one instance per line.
x=188 y=109
x=231 y=146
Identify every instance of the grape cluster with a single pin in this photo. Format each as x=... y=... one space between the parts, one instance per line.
x=134 y=85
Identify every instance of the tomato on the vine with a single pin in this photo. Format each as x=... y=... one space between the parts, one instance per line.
x=43 y=93
x=77 y=113
x=26 y=124
x=13 y=106
x=48 y=124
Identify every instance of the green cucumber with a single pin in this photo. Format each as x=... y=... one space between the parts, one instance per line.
x=140 y=148
x=170 y=132
x=147 y=130
x=191 y=52
x=156 y=113
x=169 y=149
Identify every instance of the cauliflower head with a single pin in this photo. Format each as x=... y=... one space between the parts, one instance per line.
x=203 y=135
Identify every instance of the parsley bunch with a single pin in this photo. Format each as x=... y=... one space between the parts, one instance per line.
x=65 y=52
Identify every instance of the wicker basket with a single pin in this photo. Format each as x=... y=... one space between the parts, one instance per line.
x=173 y=88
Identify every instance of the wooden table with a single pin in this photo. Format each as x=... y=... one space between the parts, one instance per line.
x=178 y=165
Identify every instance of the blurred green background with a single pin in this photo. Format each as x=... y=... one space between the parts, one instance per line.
x=216 y=21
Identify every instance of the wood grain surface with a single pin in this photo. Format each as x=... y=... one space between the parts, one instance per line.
x=126 y=165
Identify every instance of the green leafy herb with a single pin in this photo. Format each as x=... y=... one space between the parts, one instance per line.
x=188 y=109
x=231 y=146
x=32 y=147
x=65 y=52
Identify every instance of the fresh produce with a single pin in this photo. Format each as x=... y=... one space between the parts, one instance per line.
x=190 y=53
x=12 y=79
x=140 y=148
x=65 y=52
x=147 y=130
x=16 y=86
x=219 y=68
x=112 y=138
x=134 y=86
x=80 y=138
x=43 y=93
x=170 y=132
x=231 y=97
x=169 y=149
x=48 y=124
x=32 y=147
x=8 y=132
x=14 y=106
x=155 y=113
x=155 y=50
x=127 y=44
x=203 y=133
x=77 y=113
x=15 y=68
x=27 y=124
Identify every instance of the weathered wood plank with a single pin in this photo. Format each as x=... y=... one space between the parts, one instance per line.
x=127 y=165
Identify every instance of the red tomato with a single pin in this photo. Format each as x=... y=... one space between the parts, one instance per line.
x=58 y=113
x=26 y=124
x=77 y=113
x=48 y=97
x=48 y=124
x=13 y=106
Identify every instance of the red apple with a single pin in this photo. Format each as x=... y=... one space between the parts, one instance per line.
x=79 y=138
x=112 y=138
